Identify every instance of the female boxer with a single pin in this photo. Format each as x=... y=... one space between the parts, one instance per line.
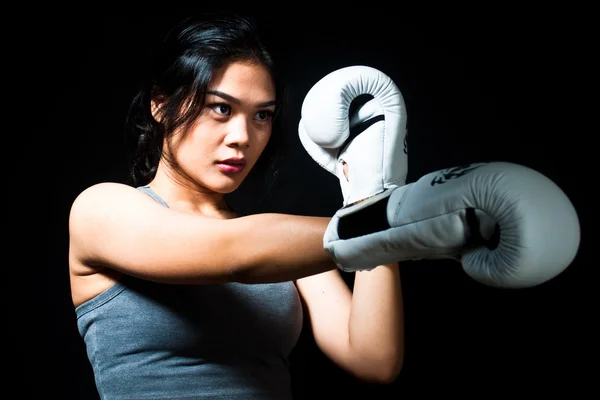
x=178 y=296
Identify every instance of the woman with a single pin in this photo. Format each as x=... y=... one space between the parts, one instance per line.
x=176 y=295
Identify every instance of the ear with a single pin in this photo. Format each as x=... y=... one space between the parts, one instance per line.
x=155 y=109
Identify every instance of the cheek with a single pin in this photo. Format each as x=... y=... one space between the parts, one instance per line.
x=262 y=142
x=265 y=139
x=205 y=138
x=197 y=148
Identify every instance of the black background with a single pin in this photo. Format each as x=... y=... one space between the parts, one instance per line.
x=496 y=84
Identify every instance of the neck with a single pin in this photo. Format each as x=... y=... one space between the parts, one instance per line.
x=185 y=196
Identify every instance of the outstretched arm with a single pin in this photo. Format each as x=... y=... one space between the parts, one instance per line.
x=116 y=226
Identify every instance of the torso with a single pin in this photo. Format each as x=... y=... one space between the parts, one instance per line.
x=222 y=340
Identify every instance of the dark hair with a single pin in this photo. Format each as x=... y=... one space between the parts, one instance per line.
x=181 y=67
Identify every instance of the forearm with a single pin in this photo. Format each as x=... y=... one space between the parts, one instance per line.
x=278 y=247
x=376 y=322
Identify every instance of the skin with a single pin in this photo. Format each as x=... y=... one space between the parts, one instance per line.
x=199 y=240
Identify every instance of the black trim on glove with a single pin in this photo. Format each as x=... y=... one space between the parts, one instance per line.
x=368 y=220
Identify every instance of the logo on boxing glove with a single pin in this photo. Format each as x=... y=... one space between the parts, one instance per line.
x=455 y=172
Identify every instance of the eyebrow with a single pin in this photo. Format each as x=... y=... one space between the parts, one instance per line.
x=238 y=101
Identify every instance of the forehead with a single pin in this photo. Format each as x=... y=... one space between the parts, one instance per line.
x=245 y=81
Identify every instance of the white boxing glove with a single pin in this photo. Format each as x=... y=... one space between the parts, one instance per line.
x=509 y=225
x=356 y=115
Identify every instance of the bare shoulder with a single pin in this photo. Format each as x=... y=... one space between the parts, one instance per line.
x=89 y=279
x=95 y=201
x=100 y=193
x=100 y=206
x=101 y=211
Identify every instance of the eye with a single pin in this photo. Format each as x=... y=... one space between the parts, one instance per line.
x=264 y=115
x=221 y=108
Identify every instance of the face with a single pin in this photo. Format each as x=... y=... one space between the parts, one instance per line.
x=223 y=146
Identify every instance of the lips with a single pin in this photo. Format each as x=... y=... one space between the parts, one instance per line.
x=232 y=165
x=240 y=162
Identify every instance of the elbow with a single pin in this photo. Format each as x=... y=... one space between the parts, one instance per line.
x=382 y=371
x=392 y=374
x=389 y=371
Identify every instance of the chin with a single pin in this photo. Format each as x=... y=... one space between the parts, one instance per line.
x=227 y=187
x=224 y=183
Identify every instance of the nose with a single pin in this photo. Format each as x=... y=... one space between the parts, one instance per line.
x=238 y=133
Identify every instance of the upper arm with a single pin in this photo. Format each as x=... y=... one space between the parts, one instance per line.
x=119 y=227
x=328 y=299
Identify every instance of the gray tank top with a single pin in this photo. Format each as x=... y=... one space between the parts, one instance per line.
x=148 y=340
